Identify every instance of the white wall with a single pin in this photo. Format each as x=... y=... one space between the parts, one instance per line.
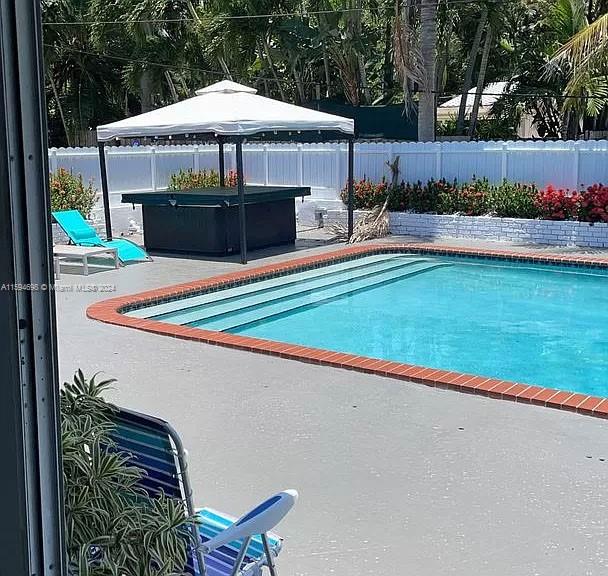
x=516 y=230
x=323 y=166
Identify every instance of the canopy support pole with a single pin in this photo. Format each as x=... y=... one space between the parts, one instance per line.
x=104 y=189
x=350 y=185
x=241 y=189
x=222 y=166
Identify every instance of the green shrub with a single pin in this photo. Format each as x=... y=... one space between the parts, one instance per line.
x=194 y=179
x=112 y=525
x=68 y=192
x=475 y=198
x=513 y=200
x=422 y=198
x=190 y=179
x=470 y=198
x=416 y=197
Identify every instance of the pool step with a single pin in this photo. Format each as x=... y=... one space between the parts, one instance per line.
x=249 y=294
x=164 y=312
x=283 y=293
x=238 y=318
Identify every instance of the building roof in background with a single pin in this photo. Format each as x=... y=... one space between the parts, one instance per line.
x=491 y=93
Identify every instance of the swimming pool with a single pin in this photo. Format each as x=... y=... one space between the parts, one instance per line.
x=544 y=325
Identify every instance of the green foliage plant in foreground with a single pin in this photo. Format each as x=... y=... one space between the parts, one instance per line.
x=113 y=527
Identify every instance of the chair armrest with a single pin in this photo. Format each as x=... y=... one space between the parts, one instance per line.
x=260 y=520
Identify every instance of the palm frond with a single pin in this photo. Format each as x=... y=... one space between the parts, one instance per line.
x=567 y=18
x=585 y=50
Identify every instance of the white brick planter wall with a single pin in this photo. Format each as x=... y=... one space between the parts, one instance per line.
x=521 y=230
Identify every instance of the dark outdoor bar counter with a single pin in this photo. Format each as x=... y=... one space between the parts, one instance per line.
x=206 y=221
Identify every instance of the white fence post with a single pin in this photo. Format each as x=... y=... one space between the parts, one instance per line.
x=504 y=161
x=438 y=159
x=300 y=165
x=53 y=160
x=390 y=154
x=153 y=168
x=338 y=161
x=197 y=158
x=577 y=163
x=266 y=159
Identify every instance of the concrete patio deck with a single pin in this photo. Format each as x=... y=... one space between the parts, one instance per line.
x=395 y=478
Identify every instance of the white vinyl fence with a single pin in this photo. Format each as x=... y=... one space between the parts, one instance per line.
x=323 y=166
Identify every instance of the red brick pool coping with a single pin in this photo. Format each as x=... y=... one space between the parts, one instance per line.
x=112 y=312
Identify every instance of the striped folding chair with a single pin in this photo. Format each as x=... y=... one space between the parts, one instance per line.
x=227 y=546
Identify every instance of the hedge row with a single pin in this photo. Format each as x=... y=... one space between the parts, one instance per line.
x=481 y=198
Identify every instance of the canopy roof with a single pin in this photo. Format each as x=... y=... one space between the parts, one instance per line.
x=228 y=109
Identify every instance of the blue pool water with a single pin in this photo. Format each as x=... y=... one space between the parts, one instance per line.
x=543 y=325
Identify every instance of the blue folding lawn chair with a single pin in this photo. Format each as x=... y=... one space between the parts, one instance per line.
x=81 y=233
x=227 y=546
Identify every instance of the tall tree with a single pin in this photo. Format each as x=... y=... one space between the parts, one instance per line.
x=481 y=78
x=471 y=62
x=82 y=85
x=428 y=52
x=152 y=33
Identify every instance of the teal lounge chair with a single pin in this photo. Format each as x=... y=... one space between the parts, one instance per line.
x=81 y=233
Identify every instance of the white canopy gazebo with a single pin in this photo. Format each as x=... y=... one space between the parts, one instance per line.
x=228 y=112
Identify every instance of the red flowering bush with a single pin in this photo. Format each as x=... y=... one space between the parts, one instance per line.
x=367 y=194
x=231 y=178
x=558 y=204
x=593 y=204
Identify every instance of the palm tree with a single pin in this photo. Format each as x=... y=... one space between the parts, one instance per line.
x=150 y=32
x=82 y=85
x=428 y=52
x=584 y=60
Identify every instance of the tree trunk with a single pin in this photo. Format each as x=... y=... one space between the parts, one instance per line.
x=272 y=70
x=145 y=91
x=480 y=81
x=364 y=85
x=171 y=85
x=428 y=49
x=224 y=67
x=387 y=64
x=59 y=108
x=468 y=77
x=327 y=74
x=299 y=85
